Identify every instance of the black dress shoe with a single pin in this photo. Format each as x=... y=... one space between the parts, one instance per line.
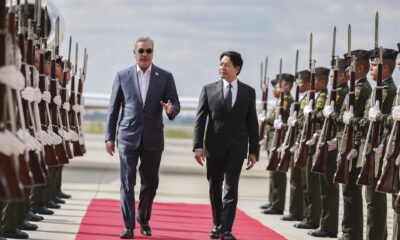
x=52 y=204
x=63 y=195
x=30 y=216
x=322 y=233
x=291 y=217
x=126 y=234
x=28 y=226
x=304 y=225
x=215 y=232
x=58 y=200
x=145 y=229
x=17 y=234
x=272 y=211
x=265 y=206
x=44 y=211
x=227 y=236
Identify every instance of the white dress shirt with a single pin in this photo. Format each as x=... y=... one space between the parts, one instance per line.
x=234 y=89
x=301 y=95
x=143 y=80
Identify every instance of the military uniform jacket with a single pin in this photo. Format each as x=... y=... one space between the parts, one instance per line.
x=341 y=92
x=388 y=95
x=318 y=117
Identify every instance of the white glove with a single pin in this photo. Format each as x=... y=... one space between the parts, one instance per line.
x=308 y=109
x=328 y=109
x=262 y=116
x=278 y=123
x=332 y=145
x=373 y=112
x=378 y=152
x=396 y=113
x=312 y=140
x=57 y=100
x=352 y=154
x=348 y=115
x=294 y=147
x=292 y=120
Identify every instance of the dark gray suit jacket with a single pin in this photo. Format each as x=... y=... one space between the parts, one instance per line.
x=137 y=121
x=226 y=132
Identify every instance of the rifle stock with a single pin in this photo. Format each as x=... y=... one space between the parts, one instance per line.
x=387 y=179
x=284 y=163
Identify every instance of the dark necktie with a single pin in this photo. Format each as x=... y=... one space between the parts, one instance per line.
x=228 y=98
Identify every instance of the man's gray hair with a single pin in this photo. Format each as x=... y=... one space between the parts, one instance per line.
x=144 y=39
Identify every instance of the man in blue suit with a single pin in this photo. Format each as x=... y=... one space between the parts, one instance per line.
x=141 y=92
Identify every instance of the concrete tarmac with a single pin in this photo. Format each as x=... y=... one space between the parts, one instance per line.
x=182 y=179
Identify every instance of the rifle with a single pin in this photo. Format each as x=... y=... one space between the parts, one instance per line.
x=7 y=161
x=367 y=174
x=386 y=181
x=32 y=76
x=294 y=109
x=54 y=105
x=263 y=115
x=342 y=171
x=274 y=153
x=301 y=160
x=23 y=169
x=66 y=106
x=82 y=78
x=77 y=149
x=49 y=148
x=327 y=129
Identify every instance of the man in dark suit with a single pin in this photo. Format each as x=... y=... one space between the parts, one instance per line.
x=232 y=126
x=142 y=91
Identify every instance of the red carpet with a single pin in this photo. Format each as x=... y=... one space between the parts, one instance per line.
x=169 y=221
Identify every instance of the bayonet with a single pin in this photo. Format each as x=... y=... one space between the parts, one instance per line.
x=265 y=72
x=69 y=53
x=376 y=31
x=76 y=59
x=310 y=54
x=45 y=24
x=349 y=41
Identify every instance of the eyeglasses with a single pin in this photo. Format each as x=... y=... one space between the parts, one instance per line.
x=148 y=51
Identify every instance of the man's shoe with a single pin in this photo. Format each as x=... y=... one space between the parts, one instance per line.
x=30 y=216
x=322 y=233
x=44 y=211
x=63 y=195
x=17 y=234
x=215 y=232
x=52 y=204
x=265 y=206
x=291 y=217
x=304 y=225
x=227 y=236
x=126 y=234
x=145 y=229
x=28 y=226
x=272 y=211
x=58 y=200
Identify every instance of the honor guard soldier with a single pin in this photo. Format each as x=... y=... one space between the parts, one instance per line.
x=377 y=202
x=329 y=190
x=277 y=184
x=312 y=193
x=296 y=205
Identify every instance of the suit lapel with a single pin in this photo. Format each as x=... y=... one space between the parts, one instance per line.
x=220 y=91
x=136 y=83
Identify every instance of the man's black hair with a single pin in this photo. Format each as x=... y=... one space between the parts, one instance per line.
x=235 y=57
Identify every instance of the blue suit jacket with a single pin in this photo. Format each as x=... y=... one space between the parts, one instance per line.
x=140 y=120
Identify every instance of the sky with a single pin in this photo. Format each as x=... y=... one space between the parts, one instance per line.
x=190 y=35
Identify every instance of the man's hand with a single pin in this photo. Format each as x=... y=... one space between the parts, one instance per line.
x=110 y=147
x=199 y=156
x=167 y=107
x=251 y=160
